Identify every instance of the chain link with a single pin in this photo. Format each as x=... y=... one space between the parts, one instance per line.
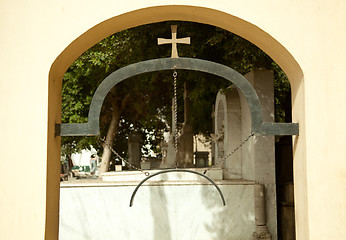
x=221 y=160
x=123 y=159
x=175 y=109
x=175 y=122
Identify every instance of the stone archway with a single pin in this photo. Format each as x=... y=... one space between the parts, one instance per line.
x=135 y=18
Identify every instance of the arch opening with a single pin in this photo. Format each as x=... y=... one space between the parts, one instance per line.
x=135 y=18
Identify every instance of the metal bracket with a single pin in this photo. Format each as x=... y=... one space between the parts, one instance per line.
x=91 y=128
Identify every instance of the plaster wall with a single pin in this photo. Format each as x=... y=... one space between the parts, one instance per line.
x=40 y=39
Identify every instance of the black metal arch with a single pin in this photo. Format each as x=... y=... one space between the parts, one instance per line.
x=177 y=170
x=257 y=125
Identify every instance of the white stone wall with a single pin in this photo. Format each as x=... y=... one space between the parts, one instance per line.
x=176 y=212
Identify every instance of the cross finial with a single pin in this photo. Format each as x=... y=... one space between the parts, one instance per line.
x=174 y=41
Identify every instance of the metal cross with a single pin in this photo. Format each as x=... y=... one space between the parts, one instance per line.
x=174 y=41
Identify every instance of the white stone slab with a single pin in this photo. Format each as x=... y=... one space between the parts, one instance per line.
x=178 y=212
x=130 y=176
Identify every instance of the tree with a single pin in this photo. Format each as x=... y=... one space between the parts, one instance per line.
x=139 y=104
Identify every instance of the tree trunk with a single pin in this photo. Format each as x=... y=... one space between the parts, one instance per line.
x=112 y=130
x=118 y=109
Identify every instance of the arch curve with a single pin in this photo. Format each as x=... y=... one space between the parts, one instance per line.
x=226 y=17
x=200 y=14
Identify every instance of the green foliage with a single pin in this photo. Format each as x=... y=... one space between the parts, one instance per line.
x=149 y=107
x=282 y=95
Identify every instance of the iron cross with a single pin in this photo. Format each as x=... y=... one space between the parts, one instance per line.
x=174 y=41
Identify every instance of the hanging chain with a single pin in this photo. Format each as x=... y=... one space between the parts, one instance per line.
x=221 y=160
x=175 y=122
x=175 y=109
x=123 y=159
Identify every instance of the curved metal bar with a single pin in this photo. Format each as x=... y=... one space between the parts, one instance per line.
x=92 y=127
x=176 y=170
x=194 y=64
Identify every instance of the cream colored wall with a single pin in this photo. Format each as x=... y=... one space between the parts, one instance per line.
x=309 y=35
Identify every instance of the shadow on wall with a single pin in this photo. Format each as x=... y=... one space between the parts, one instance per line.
x=236 y=220
x=159 y=213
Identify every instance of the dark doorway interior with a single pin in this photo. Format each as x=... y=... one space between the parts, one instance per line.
x=285 y=188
